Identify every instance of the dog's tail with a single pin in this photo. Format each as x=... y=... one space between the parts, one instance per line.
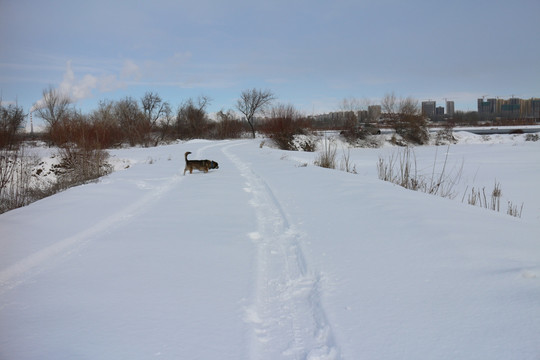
x=186 y=154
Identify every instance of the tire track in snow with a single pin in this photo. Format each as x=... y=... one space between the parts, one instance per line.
x=287 y=316
x=19 y=272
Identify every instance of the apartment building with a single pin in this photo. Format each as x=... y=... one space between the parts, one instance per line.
x=513 y=108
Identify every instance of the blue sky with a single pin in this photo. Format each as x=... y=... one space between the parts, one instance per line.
x=312 y=54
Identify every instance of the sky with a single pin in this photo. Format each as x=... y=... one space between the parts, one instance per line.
x=311 y=54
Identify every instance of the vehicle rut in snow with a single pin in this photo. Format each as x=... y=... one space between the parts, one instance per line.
x=287 y=316
x=19 y=272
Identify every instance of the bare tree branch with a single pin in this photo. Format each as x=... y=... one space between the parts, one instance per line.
x=253 y=101
x=55 y=106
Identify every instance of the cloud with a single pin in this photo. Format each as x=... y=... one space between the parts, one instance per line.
x=82 y=88
x=130 y=70
x=79 y=88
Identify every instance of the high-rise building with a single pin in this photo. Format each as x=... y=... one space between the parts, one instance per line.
x=428 y=108
x=487 y=107
x=450 y=108
x=513 y=108
x=374 y=112
x=533 y=107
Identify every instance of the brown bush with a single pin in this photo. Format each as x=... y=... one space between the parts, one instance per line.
x=228 y=127
x=88 y=133
x=284 y=123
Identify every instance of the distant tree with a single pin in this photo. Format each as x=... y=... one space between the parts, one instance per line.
x=154 y=107
x=135 y=127
x=107 y=129
x=466 y=118
x=406 y=119
x=165 y=125
x=283 y=123
x=158 y=114
x=11 y=118
x=253 y=101
x=54 y=106
x=191 y=119
x=389 y=106
x=228 y=126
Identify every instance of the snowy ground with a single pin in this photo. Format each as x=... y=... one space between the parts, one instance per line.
x=266 y=258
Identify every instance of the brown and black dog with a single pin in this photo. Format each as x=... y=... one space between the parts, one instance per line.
x=201 y=165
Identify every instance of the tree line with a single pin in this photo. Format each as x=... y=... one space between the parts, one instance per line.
x=147 y=121
x=150 y=120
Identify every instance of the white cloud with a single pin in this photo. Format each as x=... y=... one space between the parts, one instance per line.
x=79 y=88
x=82 y=88
x=75 y=88
x=130 y=70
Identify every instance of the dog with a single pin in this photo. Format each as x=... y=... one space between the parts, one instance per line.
x=201 y=165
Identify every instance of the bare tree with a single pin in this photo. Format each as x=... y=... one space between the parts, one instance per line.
x=389 y=104
x=228 y=126
x=191 y=117
x=406 y=118
x=132 y=121
x=11 y=118
x=165 y=124
x=154 y=107
x=253 y=101
x=54 y=106
x=106 y=124
x=284 y=111
x=283 y=123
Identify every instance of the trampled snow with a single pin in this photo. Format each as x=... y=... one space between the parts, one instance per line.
x=271 y=257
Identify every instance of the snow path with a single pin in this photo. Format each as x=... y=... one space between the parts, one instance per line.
x=20 y=271
x=26 y=268
x=287 y=316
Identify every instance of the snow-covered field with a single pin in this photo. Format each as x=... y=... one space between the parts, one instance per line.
x=270 y=257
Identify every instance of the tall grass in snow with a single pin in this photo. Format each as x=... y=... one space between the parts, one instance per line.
x=401 y=169
x=327 y=157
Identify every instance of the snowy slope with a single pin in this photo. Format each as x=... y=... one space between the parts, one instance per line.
x=265 y=258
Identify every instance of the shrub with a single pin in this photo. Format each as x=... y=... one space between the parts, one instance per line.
x=413 y=128
x=15 y=179
x=282 y=126
x=228 y=127
x=445 y=135
x=191 y=119
x=20 y=185
x=79 y=166
x=136 y=128
x=308 y=144
x=327 y=157
x=11 y=118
